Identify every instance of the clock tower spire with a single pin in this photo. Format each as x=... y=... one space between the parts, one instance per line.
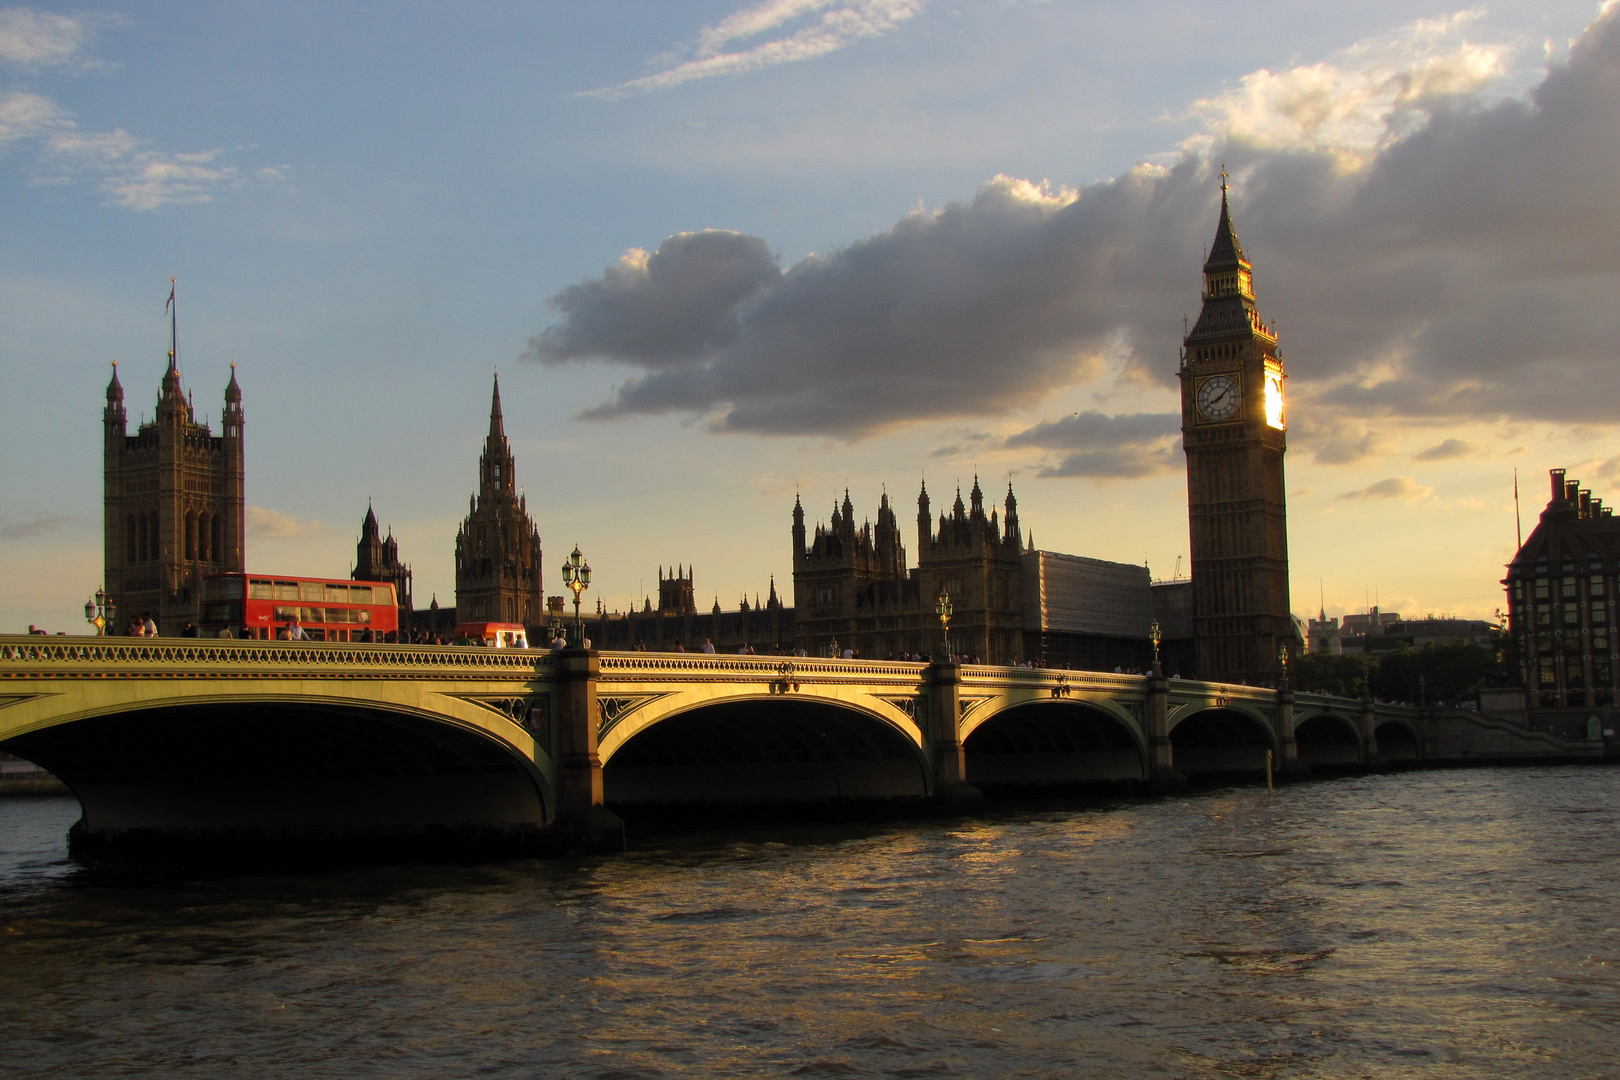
x=1234 y=432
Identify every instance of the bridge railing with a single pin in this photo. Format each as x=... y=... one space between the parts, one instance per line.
x=25 y=656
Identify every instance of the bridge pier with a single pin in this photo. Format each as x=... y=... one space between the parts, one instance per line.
x=1289 y=766
x=1162 y=772
x=945 y=730
x=1369 y=733
x=583 y=823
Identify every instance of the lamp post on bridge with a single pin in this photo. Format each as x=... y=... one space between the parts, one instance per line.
x=99 y=613
x=576 y=574
x=1282 y=655
x=944 y=609
x=1155 y=634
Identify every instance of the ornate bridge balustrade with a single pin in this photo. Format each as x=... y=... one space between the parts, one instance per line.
x=298 y=740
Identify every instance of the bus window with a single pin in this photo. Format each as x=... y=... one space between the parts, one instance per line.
x=382 y=594
x=359 y=594
x=286 y=590
x=337 y=594
x=261 y=590
x=311 y=590
x=222 y=588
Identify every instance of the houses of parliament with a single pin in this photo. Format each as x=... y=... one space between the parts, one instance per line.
x=175 y=513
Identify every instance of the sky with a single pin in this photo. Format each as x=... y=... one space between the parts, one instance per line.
x=724 y=253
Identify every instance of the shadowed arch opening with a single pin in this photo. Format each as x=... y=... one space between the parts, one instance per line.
x=1327 y=741
x=767 y=751
x=1396 y=742
x=1220 y=741
x=1051 y=744
x=284 y=772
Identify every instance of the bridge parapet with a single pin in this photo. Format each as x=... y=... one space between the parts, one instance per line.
x=35 y=657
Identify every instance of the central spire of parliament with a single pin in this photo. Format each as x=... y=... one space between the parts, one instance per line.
x=498 y=547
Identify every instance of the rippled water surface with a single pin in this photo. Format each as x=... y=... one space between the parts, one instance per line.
x=1446 y=924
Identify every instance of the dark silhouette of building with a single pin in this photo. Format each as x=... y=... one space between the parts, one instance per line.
x=851 y=584
x=174 y=509
x=376 y=558
x=1561 y=602
x=1234 y=431
x=764 y=627
x=498 y=547
x=675 y=596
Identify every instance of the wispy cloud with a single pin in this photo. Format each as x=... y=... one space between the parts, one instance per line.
x=1396 y=487
x=133 y=175
x=128 y=171
x=274 y=525
x=23 y=530
x=831 y=25
x=1450 y=448
x=43 y=39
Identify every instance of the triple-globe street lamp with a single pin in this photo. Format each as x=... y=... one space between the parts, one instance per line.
x=576 y=574
x=1157 y=636
x=944 y=609
x=98 y=612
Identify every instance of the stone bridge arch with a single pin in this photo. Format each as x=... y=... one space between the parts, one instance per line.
x=1328 y=740
x=285 y=761
x=1230 y=738
x=1398 y=740
x=1053 y=741
x=752 y=747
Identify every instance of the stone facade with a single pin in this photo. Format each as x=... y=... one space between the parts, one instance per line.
x=498 y=576
x=1234 y=431
x=174 y=509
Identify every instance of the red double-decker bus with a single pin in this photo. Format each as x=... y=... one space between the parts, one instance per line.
x=328 y=609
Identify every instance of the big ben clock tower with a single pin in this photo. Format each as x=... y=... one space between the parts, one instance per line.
x=1234 y=430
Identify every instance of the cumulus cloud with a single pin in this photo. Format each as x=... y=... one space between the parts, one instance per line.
x=1429 y=252
x=1450 y=448
x=1359 y=101
x=42 y=39
x=1097 y=444
x=1396 y=487
x=825 y=26
x=266 y=524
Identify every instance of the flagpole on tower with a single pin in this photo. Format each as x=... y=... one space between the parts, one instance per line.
x=172 y=310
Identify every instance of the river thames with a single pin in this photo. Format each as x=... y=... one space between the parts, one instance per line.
x=1434 y=924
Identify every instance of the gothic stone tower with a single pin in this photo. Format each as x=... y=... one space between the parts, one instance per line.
x=978 y=561
x=498 y=547
x=376 y=558
x=1234 y=432
x=173 y=503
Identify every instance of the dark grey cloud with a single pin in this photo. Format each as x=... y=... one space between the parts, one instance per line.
x=1097 y=444
x=1466 y=270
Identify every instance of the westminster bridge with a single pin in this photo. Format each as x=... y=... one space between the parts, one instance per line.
x=206 y=739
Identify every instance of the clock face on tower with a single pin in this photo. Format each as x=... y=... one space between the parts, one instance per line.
x=1219 y=397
